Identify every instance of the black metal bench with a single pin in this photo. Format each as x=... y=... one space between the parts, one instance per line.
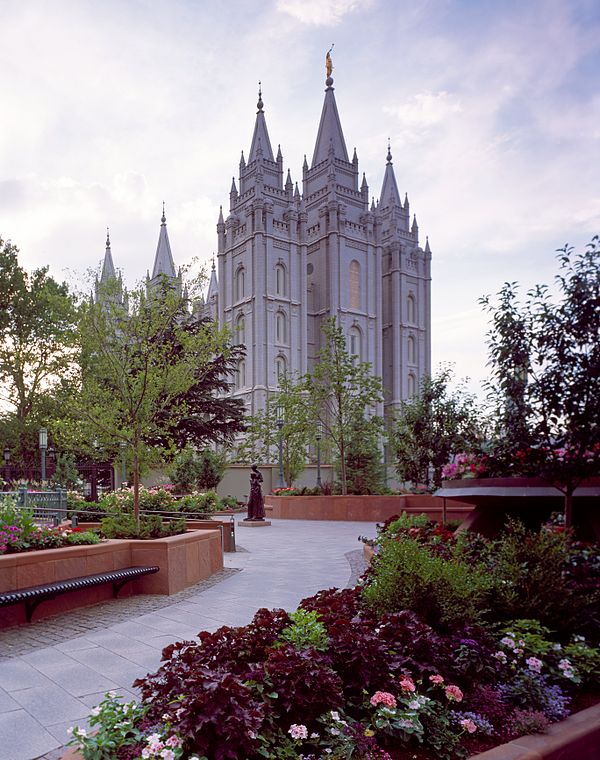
x=34 y=595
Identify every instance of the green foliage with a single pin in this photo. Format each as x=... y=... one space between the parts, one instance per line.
x=203 y=471
x=185 y=470
x=37 y=350
x=545 y=384
x=285 y=418
x=341 y=392
x=431 y=426
x=66 y=473
x=86 y=537
x=364 y=468
x=529 y=582
x=212 y=468
x=200 y=502
x=405 y=576
x=305 y=630
x=406 y=521
x=149 y=526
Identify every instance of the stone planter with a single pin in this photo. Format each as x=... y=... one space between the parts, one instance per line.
x=361 y=508
x=575 y=738
x=531 y=500
x=184 y=560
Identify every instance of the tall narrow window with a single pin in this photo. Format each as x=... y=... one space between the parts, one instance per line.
x=354 y=285
x=410 y=309
x=240 y=377
x=355 y=343
x=280 y=280
x=280 y=367
x=281 y=332
x=240 y=284
x=412 y=385
x=411 y=349
x=240 y=329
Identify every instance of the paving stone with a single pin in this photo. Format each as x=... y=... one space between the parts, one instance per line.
x=23 y=738
x=50 y=704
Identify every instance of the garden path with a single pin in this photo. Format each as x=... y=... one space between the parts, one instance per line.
x=54 y=671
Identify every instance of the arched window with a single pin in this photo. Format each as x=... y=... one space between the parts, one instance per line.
x=280 y=367
x=281 y=332
x=410 y=309
x=355 y=343
x=280 y=280
x=240 y=375
x=411 y=349
x=354 y=285
x=412 y=384
x=240 y=276
x=240 y=329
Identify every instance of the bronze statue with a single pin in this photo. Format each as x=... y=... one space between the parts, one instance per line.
x=328 y=63
x=256 y=502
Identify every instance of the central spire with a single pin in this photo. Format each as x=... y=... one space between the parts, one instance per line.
x=330 y=127
x=108 y=268
x=163 y=260
x=260 y=138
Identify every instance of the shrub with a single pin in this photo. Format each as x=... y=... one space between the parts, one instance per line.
x=443 y=593
x=528 y=722
x=305 y=631
x=151 y=526
x=86 y=537
x=202 y=471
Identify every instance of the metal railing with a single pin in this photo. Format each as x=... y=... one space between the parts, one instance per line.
x=43 y=504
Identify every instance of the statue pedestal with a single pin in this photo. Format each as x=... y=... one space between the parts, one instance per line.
x=253 y=523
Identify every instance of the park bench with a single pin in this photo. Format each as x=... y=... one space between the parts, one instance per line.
x=34 y=595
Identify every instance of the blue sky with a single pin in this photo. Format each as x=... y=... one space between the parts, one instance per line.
x=493 y=110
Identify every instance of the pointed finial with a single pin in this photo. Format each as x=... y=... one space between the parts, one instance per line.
x=163 y=219
x=260 y=103
x=389 y=153
x=279 y=154
x=221 y=220
x=213 y=261
x=427 y=248
x=305 y=164
x=242 y=161
x=355 y=157
x=372 y=204
x=297 y=193
x=107 y=238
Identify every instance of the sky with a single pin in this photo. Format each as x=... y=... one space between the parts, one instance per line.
x=492 y=109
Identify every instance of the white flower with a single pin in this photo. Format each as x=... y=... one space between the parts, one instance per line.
x=167 y=754
x=95 y=710
x=146 y=753
x=153 y=738
x=508 y=642
x=70 y=731
x=500 y=656
x=111 y=694
x=414 y=704
x=335 y=715
x=80 y=731
x=166 y=716
x=314 y=735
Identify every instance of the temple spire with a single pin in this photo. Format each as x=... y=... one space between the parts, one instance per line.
x=108 y=268
x=260 y=138
x=163 y=260
x=389 y=190
x=330 y=127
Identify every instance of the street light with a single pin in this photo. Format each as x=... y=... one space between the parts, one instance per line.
x=280 y=427
x=43 y=441
x=7 y=462
x=123 y=445
x=318 y=437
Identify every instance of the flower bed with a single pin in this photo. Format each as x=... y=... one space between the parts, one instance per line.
x=184 y=560
x=415 y=663
x=361 y=508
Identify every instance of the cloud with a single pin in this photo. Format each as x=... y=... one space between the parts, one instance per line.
x=423 y=111
x=322 y=12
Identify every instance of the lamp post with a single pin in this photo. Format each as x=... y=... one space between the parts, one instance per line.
x=280 y=427
x=43 y=441
x=123 y=446
x=318 y=437
x=7 y=462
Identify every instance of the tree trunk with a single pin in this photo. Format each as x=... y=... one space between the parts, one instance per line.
x=136 y=479
x=568 y=508
x=343 y=469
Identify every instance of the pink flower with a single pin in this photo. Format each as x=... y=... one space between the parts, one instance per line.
x=534 y=664
x=173 y=741
x=436 y=679
x=298 y=731
x=453 y=693
x=407 y=684
x=468 y=725
x=383 y=698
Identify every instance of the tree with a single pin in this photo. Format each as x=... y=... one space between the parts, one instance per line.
x=342 y=392
x=289 y=407
x=37 y=347
x=558 y=371
x=133 y=386
x=431 y=426
x=364 y=468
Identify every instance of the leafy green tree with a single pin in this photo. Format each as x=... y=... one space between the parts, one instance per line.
x=342 y=391
x=38 y=319
x=554 y=380
x=133 y=387
x=428 y=428
x=364 y=468
x=289 y=407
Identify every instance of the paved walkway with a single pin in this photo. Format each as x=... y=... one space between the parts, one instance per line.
x=54 y=671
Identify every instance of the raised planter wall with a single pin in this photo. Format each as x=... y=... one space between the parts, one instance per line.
x=361 y=508
x=184 y=560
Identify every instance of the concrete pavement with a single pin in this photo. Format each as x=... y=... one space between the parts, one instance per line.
x=54 y=671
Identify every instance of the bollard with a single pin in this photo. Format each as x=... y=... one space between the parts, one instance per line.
x=56 y=520
x=232 y=528
x=74 y=521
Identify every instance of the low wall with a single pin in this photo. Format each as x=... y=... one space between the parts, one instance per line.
x=184 y=560
x=361 y=508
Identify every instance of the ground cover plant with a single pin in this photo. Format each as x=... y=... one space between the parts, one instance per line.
x=362 y=673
